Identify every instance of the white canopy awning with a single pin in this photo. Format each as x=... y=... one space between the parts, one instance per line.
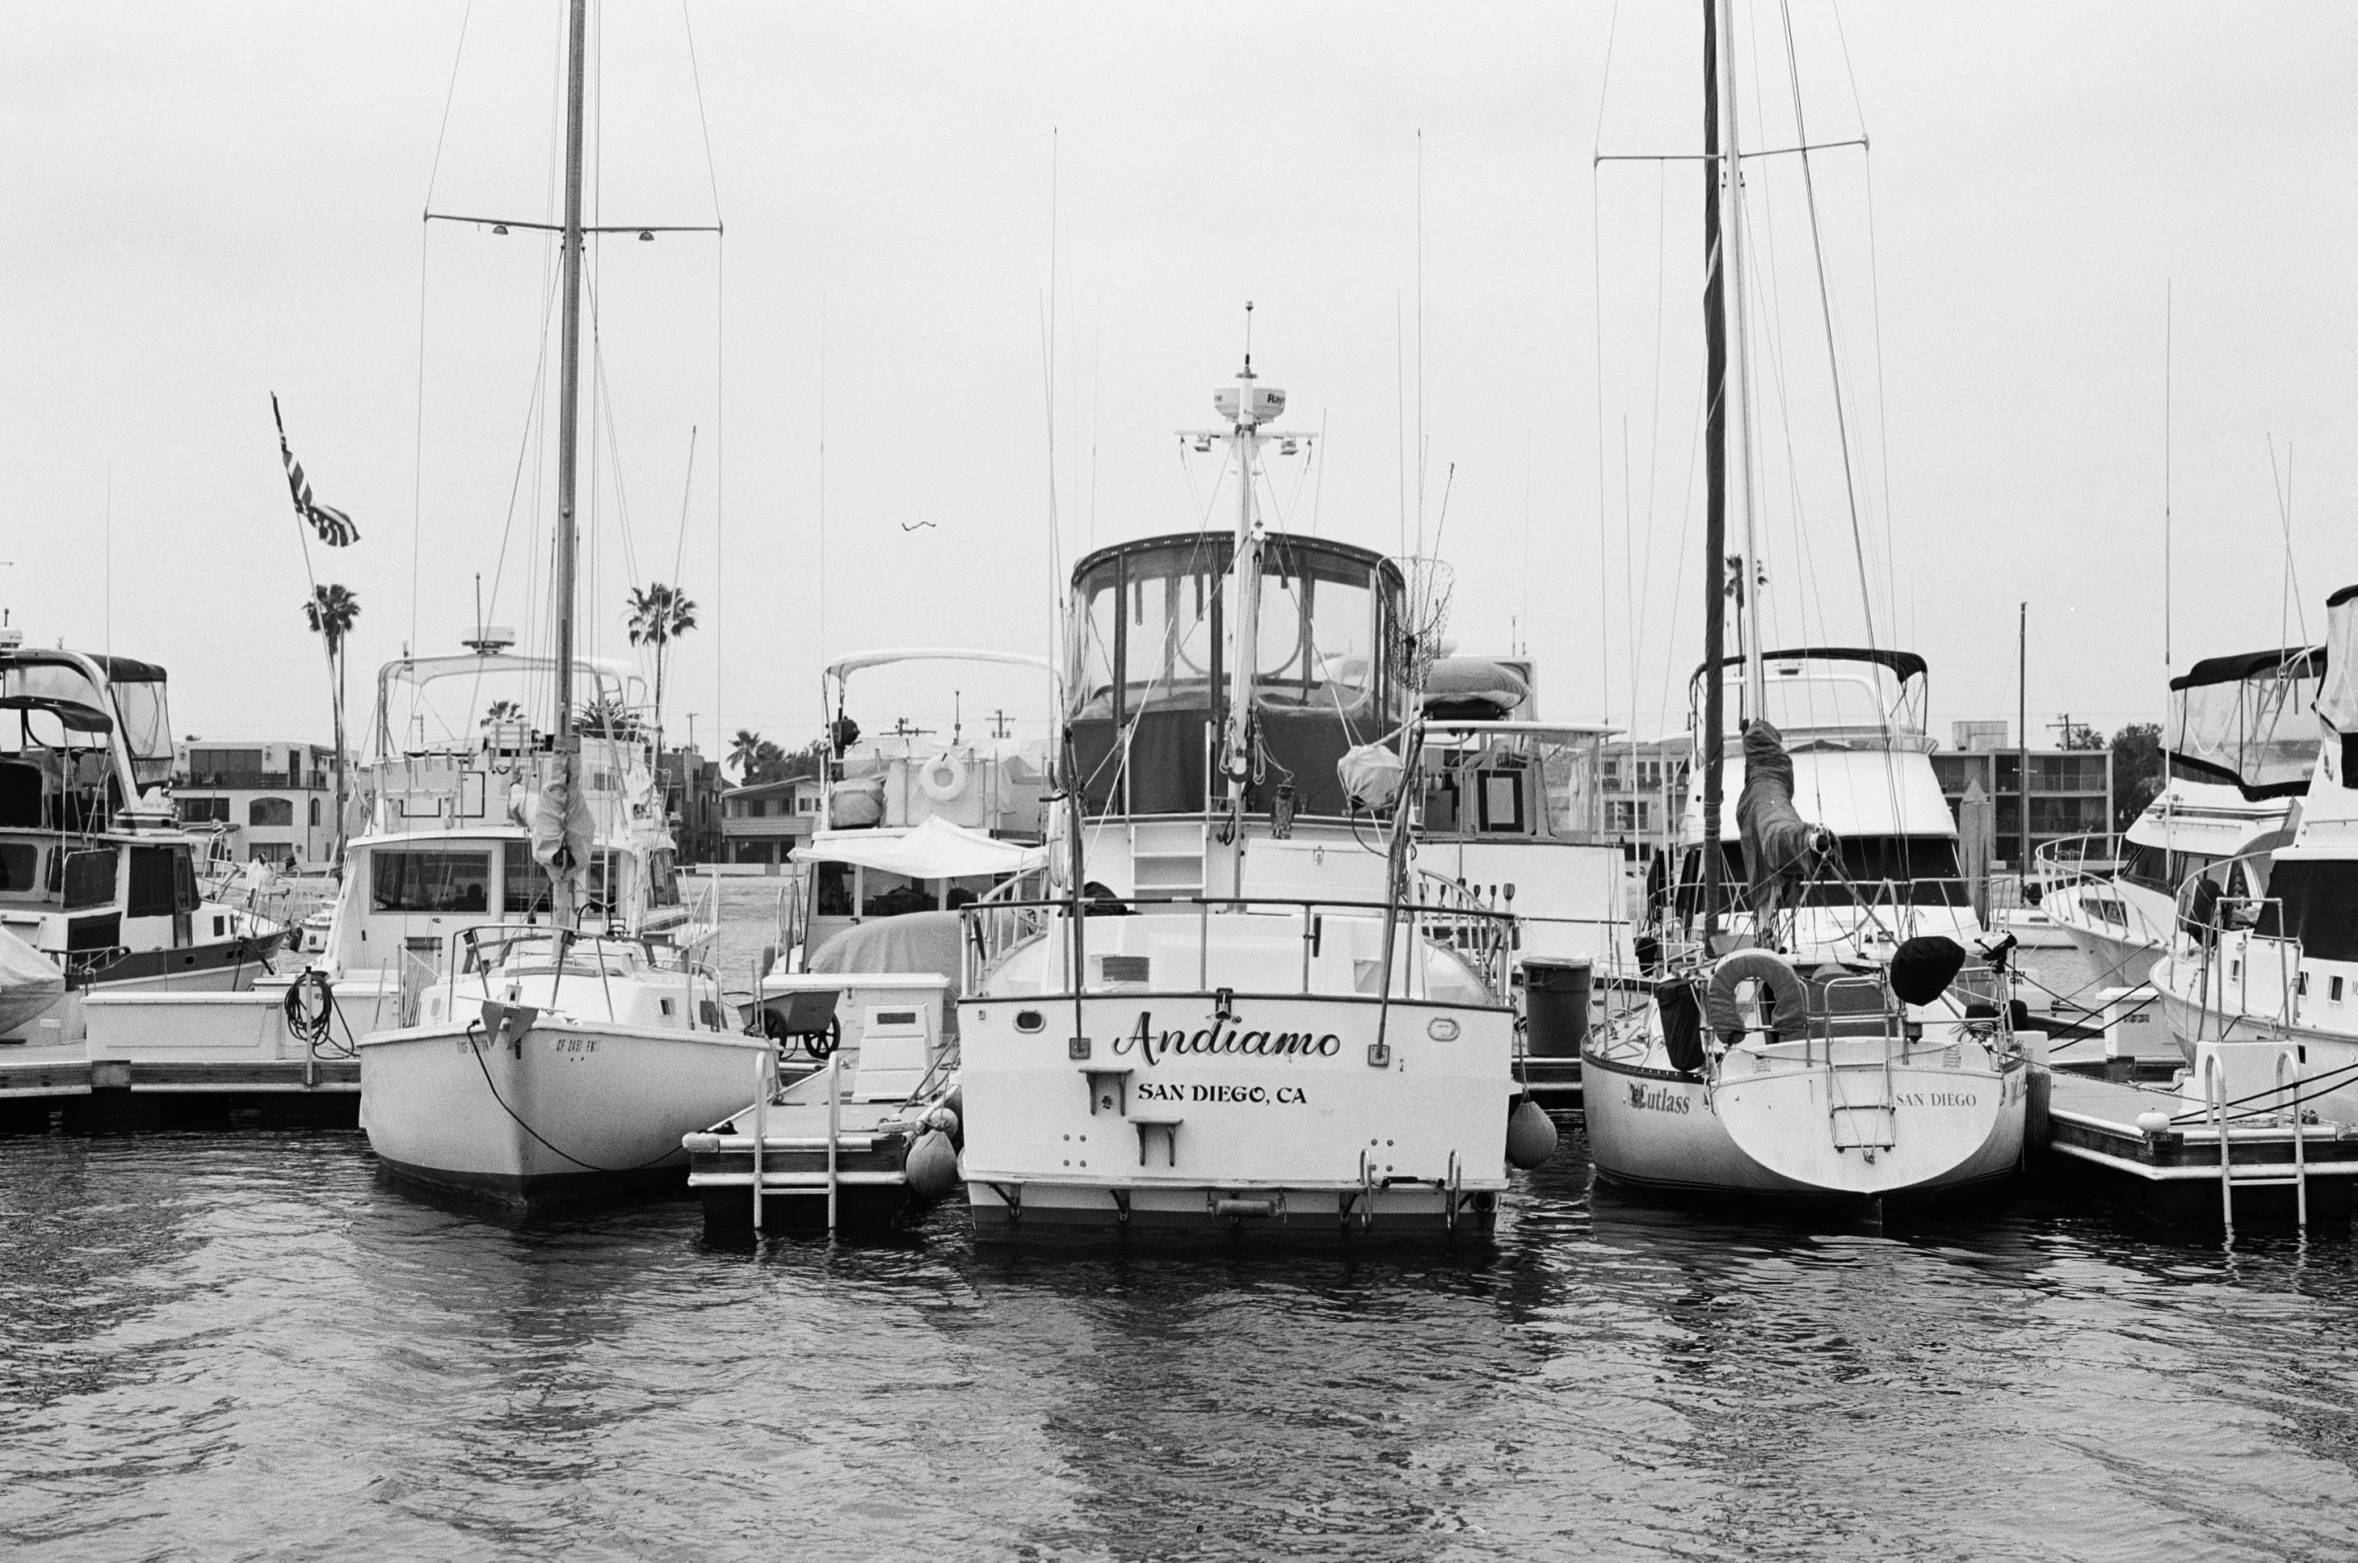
x=935 y=849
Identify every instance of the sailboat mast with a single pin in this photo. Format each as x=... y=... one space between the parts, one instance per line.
x=569 y=395
x=1740 y=391
x=1715 y=480
x=568 y=426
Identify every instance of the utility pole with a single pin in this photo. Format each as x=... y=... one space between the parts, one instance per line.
x=2022 y=737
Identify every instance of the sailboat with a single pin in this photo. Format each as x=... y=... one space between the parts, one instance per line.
x=1832 y=1038
x=545 y=1061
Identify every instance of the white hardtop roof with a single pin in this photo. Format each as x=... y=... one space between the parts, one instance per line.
x=422 y=669
x=1535 y=729
x=844 y=667
x=934 y=849
x=2212 y=818
x=1876 y=792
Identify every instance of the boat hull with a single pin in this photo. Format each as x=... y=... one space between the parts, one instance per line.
x=566 y=1111
x=1149 y=1115
x=1768 y=1136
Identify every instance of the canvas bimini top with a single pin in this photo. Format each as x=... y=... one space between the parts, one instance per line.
x=1148 y=668
x=1839 y=695
x=2245 y=719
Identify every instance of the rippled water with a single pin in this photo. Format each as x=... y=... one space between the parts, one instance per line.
x=242 y=1344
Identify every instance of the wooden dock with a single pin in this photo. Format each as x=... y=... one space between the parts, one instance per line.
x=2160 y=1153
x=37 y=1081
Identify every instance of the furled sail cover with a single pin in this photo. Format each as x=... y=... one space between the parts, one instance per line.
x=1780 y=847
x=2245 y=719
x=563 y=834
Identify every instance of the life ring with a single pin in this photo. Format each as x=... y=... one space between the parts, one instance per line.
x=1788 y=997
x=943 y=778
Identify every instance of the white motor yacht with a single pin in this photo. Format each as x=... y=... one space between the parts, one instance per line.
x=2260 y=985
x=2230 y=717
x=96 y=875
x=1511 y=813
x=1226 y=1009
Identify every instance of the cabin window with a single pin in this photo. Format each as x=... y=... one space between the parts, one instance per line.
x=2311 y=902
x=271 y=812
x=663 y=880
x=1502 y=801
x=832 y=890
x=429 y=881
x=525 y=884
x=2333 y=990
x=89 y=879
x=891 y=895
x=184 y=881
x=20 y=867
x=154 y=889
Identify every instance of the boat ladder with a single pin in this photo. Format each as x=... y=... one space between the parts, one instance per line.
x=1859 y=1107
x=2267 y=1174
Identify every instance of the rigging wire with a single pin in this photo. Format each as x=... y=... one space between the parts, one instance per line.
x=1826 y=304
x=719 y=382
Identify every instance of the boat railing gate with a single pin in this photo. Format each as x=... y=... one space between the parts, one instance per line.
x=1478 y=935
x=2215 y=1105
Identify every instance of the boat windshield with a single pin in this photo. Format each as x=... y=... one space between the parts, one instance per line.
x=147 y=727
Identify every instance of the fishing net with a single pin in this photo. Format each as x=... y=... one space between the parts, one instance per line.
x=1424 y=614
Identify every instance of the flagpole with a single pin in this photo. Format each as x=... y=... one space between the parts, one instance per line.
x=302 y=525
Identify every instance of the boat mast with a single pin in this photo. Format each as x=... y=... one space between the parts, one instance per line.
x=1246 y=625
x=568 y=441
x=1715 y=479
x=1740 y=389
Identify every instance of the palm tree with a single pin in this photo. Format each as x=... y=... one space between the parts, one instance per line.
x=658 y=615
x=502 y=711
x=331 y=612
x=608 y=717
x=744 y=750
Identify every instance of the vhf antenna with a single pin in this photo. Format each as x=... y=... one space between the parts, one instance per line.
x=1248 y=368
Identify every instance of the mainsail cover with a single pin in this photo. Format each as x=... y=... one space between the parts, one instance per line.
x=1780 y=847
x=563 y=832
x=2245 y=718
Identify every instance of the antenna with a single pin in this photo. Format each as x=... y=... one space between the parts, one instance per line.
x=1248 y=368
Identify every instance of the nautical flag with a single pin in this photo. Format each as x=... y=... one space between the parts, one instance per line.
x=333 y=526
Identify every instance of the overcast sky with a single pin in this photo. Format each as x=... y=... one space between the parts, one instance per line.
x=209 y=203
